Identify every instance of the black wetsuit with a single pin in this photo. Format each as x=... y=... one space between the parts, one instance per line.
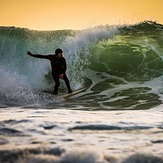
x=58 y=66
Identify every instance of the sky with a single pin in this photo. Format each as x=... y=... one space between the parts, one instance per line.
x=77 y=14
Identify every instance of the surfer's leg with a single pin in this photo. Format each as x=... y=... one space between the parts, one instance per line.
x=57 y=83
x=67 y=83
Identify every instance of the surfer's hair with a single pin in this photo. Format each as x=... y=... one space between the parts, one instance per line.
x=57 y=51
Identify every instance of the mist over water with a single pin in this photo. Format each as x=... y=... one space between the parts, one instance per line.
x=121 y=66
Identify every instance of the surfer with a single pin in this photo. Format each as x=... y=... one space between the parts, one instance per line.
x=58 y=65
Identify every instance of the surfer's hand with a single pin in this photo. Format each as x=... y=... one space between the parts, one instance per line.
x=29 y=53
x=61 y=76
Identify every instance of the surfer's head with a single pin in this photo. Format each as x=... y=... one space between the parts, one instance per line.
x=59 y=52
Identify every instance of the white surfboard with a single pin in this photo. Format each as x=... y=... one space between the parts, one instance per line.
x=73 y=93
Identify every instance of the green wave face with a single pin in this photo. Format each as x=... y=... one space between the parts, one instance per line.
x=133 y=56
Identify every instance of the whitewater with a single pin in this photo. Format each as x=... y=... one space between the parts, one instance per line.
x=118 y=118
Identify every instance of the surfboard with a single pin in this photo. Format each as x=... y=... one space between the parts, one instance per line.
x=73 y=93
x=67 y=95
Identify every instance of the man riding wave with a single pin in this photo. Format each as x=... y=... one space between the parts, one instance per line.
x=58 y=65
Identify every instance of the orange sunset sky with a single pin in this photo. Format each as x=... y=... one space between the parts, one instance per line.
x=77 y=14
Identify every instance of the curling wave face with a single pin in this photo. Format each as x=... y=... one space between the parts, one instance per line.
x=120 y=66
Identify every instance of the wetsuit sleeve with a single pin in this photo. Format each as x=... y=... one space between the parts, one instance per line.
x=41 y=56
x=64 y=66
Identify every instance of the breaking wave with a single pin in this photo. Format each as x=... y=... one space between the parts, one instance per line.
x=121 y=66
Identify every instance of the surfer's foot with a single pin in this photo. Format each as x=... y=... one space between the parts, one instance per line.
x=55 y=93
x=69 y=91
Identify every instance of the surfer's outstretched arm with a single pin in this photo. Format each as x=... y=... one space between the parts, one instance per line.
x=38 y=55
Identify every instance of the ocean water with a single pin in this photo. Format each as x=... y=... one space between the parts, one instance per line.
x=118 y=118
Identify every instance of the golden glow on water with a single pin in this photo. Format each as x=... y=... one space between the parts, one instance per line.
x=77 y=14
